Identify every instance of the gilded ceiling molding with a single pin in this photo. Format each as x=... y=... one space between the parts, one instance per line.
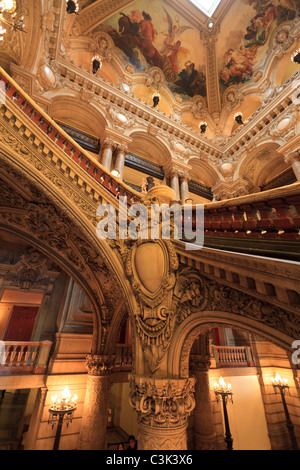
x=209 y=37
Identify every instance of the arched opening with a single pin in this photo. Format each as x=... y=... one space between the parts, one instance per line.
x=248 y=358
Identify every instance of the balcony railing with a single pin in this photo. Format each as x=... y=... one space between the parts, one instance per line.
x=123 y=357
x=232 y=356
x=24 y=357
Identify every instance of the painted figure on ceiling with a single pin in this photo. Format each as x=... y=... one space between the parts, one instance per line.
x=146 y=42
x=239 y=61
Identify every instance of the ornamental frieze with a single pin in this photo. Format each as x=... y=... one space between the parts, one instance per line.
x=195 y=293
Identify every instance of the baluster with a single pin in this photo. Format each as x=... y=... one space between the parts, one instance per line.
x=221 y=354
x=7 y=354
x=235 y=354
x=118 y=356
x=34 y=352
x=13 y=352
x=226 y=351
x=242 y=354
x=19 y=354
x=130 y=355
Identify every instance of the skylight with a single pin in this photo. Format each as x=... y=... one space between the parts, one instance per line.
x=207 y=6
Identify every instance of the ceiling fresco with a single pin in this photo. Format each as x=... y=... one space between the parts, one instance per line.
x=245 y=33
x=151 y=34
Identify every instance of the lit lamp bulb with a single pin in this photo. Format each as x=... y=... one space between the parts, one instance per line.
x=238 y=117
x=203 y=126
x=72 y=7
x=156 y=99
x=296 y=57
x=97 y=64
x=8 y=5
x=222 y=386
x=116 y=174
x=278 y=380
x=74 y=399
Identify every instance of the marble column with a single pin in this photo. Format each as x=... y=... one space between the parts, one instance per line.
x=120 y=161
x=294 y=160
x=204 y=432
x=174 y=183
x=95 y=413
x=106 y=156
x=163 y=406
x=184 y=188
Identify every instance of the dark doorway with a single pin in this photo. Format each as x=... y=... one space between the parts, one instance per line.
x=21 y=323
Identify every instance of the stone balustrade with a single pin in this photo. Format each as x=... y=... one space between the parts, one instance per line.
x=24 y=357
x=232 y=356
x=123 y=357
x=63 y=141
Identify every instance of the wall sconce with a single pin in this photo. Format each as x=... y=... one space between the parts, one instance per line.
x=97 y=63
x=224 y=391
x=156 y=99
x=203 y=126
x=296 y=57
x=281 y=385
x=61 y=410
x=72 y=7
x=238 y=118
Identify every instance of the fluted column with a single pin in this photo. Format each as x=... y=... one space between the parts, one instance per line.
x=174 y=183
x=294 y=160
x=120 y=161
x=94 y=419
x=184 y=188
x=204 y=432
x=163 y=406
x=106 y=156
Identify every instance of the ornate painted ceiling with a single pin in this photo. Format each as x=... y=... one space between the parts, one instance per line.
x=205 y=68
x=173 y=36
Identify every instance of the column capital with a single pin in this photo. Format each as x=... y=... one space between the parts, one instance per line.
x=107 y=142
x=292 y=157
x=117 y=139
x=200 y=362
x=184 y=177
x=162 y=402
x=180 y=169
x=99 y=364
x=122 y=147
